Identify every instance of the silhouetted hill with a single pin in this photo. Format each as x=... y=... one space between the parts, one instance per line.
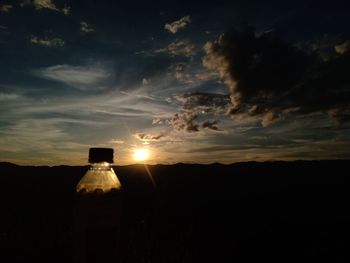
x=5 y=165
x=244 y=212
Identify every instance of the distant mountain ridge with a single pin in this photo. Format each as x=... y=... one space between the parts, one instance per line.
x=244 y=163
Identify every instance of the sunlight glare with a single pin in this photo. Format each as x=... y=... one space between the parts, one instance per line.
x=141 y=154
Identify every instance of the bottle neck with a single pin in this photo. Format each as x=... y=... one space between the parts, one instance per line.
x=100 y=166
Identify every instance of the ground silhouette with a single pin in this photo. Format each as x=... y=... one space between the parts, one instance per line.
x=245 y=212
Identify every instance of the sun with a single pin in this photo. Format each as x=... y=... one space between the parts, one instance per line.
x=141 y=154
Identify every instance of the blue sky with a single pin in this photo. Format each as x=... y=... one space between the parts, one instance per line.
x=211 y=82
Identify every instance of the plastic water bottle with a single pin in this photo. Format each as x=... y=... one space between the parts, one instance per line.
x=100 y=178
x=98 y=211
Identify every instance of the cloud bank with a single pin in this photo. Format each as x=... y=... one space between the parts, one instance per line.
x=268 y=77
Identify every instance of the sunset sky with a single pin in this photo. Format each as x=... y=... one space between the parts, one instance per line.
x=190 y=81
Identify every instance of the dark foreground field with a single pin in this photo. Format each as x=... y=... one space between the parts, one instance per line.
x=246 y=212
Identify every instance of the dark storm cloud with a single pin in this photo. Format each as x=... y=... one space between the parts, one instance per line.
x=268 y=77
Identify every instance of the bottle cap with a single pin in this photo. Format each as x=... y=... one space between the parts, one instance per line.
x=97 y=155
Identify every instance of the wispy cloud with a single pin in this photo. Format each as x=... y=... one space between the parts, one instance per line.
x=116 y=141
x=201 y=101
x=5 y=8
x=269 y=117
x=66 y=10
x=178 y=48
x=9 y=96
x=184 y=73
x=45 y=4
x=343 y=47
x=150 y=137
x=235 y=146
x=146 y=81
x=51 y=144
x=81 y=77
x=54 y=125
x=59 y=129
x=85 y=27
x=40 y=4
x=157 y=121
x=175 y=26
x=48 y=42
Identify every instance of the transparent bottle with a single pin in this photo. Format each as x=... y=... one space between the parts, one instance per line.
x=100 y=178
x=98 y=211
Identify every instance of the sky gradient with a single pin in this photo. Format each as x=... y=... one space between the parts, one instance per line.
x=200 y=83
